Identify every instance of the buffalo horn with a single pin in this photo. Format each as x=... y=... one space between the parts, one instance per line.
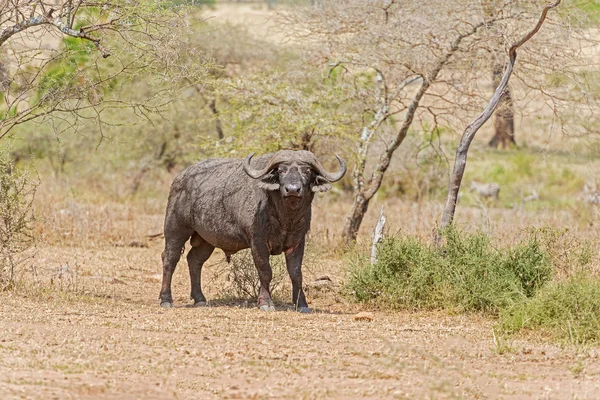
x=257 y=173
x=330 y=176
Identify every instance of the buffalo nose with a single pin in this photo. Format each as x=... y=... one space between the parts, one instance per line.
x=293 y=189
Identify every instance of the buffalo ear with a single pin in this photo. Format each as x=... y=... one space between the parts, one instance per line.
x=320 y=184
x=268 y=183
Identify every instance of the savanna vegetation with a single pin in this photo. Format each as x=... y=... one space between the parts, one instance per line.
x=101 y=105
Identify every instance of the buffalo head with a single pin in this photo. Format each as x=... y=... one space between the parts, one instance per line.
x=294 y=174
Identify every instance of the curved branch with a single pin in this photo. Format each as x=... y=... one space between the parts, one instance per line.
x=20 y=27
x=513 y=49
x=64 y=28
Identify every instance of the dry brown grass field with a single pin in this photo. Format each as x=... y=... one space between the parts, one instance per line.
x=84 y=321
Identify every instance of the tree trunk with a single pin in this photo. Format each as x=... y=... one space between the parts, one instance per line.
x=215 y=111
x=305 y=141
x=354 y=220
x=504 y=120
x=504 y=127
x=377 y=236
x=3 y=77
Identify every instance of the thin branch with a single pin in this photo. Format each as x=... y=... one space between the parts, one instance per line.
x=64 y=28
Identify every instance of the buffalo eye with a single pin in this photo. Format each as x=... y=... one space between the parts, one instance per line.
x=281 y=169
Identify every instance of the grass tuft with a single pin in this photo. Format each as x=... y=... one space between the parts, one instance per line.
x=568 y=310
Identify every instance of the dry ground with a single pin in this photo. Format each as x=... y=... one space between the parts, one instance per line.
x=87 y=325
x=105 y=337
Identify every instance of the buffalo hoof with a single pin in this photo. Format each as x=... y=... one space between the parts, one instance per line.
x=304 y=310
x=200 y=304
x=266 y=308
x=166 y=304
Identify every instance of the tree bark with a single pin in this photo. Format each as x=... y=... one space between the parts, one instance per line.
x=305 y=141
x=504 y=128
x=504 y=117
x=377 y=236
x=469 y=133
x=354 y=220
x=3 y=77
x=215 y=111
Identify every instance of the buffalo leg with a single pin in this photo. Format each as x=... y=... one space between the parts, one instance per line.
x=293 y=260
x=197 y=256
x=260 y=254
x=170 y=257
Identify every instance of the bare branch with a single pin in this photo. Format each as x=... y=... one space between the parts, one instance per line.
x=21 y=26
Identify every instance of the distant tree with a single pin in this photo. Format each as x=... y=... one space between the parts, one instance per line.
x=199 y=122
x=238 y=55
x=504 y=116
x=295 y=107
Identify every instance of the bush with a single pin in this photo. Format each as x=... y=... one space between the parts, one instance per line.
x=569 y=310
x=569 y=254
x=16 y=197
x=466 y=273
x=243 y=276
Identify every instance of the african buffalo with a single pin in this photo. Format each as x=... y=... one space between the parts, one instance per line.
x=233 y=205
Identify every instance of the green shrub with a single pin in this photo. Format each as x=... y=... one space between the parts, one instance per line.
x=569 y=310
x=66 y=71
x=17 y=191
x=569 y=254
x=466 y=273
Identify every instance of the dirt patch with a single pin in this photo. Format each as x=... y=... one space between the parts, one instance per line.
x=99 y=339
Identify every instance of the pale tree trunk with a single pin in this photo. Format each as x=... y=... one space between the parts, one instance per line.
x=377 y=236
x=465 y=141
